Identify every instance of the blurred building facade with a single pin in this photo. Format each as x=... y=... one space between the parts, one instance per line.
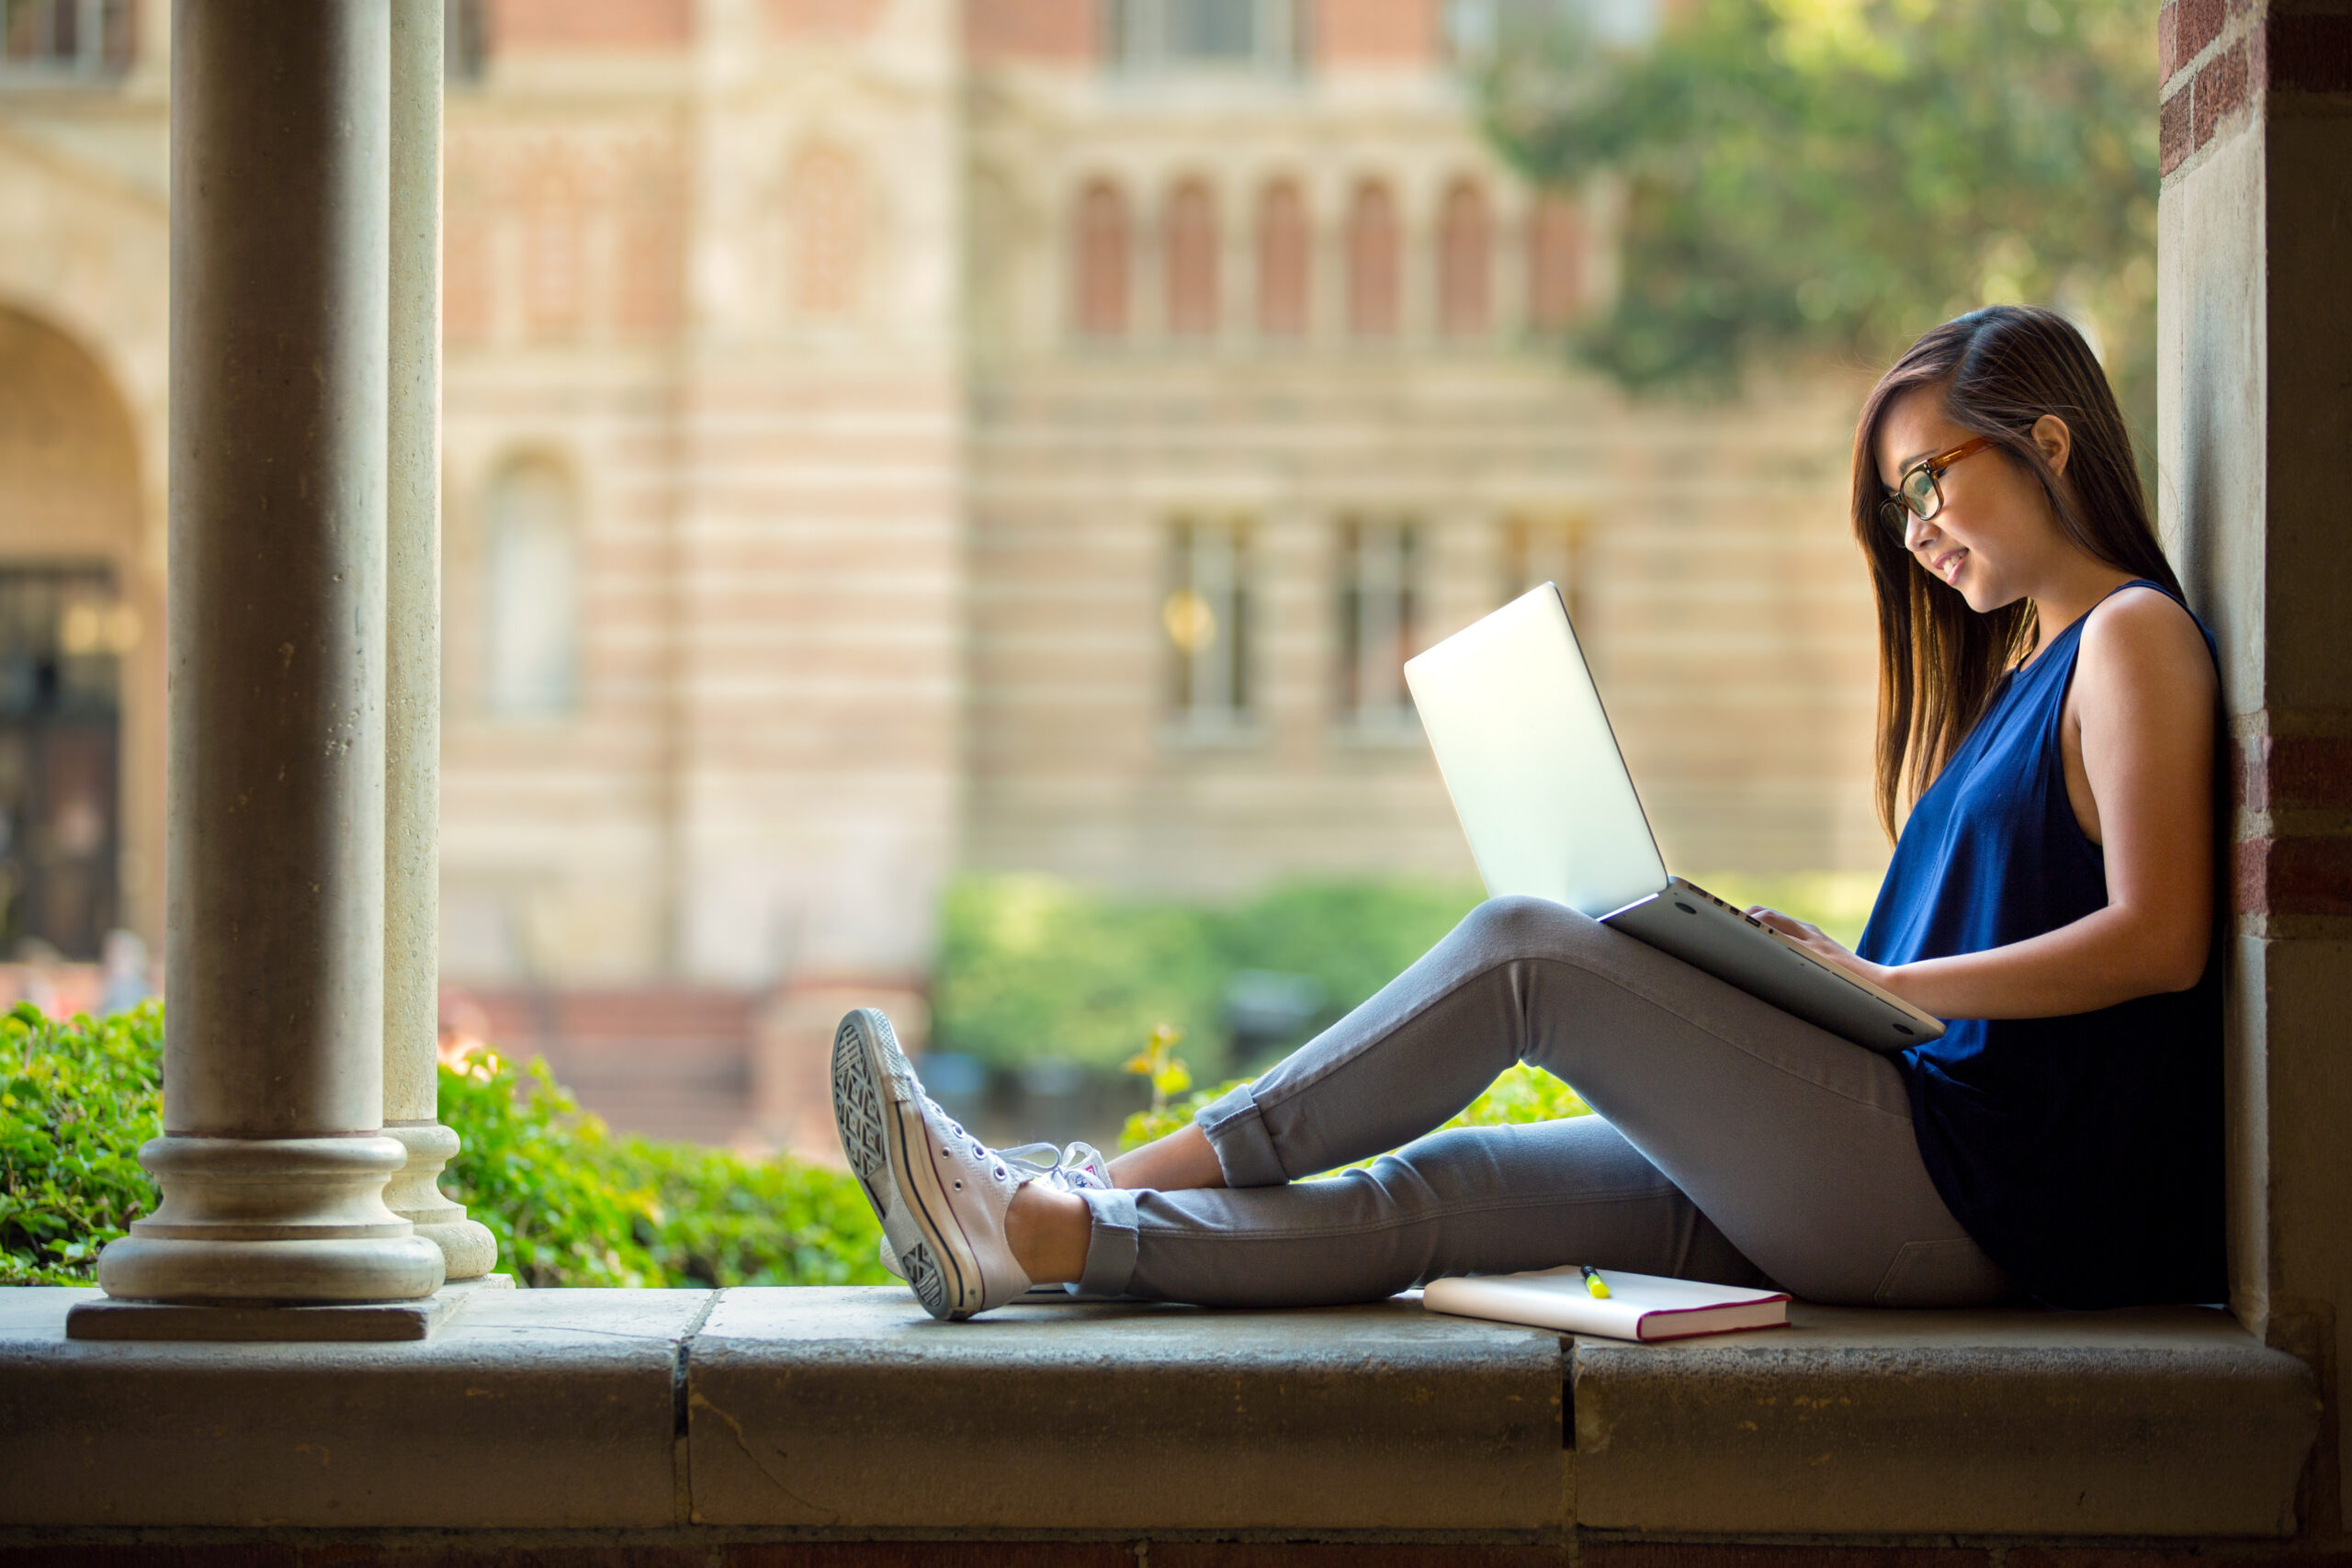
x=889 y=436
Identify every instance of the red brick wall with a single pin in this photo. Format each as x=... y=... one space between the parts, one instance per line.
x=2292 y=791
x=590 y=23
x=2215 y=56
x=1055 y=31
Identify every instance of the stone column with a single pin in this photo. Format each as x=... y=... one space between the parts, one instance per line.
x=2254 y=419
x=273 y=1160
x=412 y=668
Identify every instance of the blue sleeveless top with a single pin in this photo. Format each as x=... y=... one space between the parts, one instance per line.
x=2083 y=1154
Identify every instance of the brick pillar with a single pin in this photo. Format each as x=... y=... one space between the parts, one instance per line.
x=2254 y=425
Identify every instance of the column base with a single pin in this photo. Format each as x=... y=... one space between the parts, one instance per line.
x=271 y=1222
x=469 y=1250
x=365 y=1323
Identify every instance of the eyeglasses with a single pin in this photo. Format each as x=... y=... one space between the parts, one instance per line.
x=1920 y=492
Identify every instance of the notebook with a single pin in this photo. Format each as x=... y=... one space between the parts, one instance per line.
x=1639 y=1306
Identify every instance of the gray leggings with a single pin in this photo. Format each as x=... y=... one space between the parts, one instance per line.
x=1730 y=1142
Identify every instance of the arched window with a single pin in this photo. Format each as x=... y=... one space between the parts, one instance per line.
x=1555 y=264
x=1189 y=242
x=1101 y=244
x=1372 y=263
x=1464 y=262
x=1285 y=251
x=532 y=559
x=824 y=200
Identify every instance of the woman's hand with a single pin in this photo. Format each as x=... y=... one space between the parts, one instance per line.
x=1821 y=945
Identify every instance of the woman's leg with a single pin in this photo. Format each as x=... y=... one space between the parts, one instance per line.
x=1798 y=1144
x=1485 y=1199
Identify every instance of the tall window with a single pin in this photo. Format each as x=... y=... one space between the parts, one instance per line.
x=54 y=39
x=1285 y=256
x=467 y=278
x=1465 y=261
x=465 y=32
x=532 y=559
x=1380 y=616
x=1538 y=550
x=1555 y=264
x=1205 y=617
x=1374 y=261
x=825 y=210
x=1243 y=35
x=63 y=632
x=649 y=258
x=1101 y=260
x=1190 y=244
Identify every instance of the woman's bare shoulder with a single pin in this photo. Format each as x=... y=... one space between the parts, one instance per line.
x=2144 y=634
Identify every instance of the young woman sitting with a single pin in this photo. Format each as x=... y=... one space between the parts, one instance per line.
x=2047 y=706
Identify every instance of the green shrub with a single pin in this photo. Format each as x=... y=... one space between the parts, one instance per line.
x=76 y=1101
x=569 y=1202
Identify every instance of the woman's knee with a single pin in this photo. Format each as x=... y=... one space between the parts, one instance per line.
x=1518 y=926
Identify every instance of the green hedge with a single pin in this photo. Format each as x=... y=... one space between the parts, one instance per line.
x=569 y=1202
x=78 y=1100
x=573 y=1204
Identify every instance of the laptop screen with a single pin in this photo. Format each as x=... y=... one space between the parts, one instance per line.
x=1527 y=754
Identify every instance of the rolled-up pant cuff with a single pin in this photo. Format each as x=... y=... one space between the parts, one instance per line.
x=1236 y=1130
x=1109 y=1242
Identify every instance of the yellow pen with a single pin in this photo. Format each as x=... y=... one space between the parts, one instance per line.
x=1594 y=1282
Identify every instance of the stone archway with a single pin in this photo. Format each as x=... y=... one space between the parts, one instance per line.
x=80 y=655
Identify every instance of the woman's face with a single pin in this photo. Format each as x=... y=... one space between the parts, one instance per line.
x=1995 y=538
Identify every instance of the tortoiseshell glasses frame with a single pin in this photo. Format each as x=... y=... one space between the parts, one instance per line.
x=1920 y=492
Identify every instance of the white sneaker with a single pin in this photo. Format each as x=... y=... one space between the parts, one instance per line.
x=940 y=1192
x=1073 y=1169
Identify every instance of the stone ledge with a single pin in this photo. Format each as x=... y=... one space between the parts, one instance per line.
x=532 y=1409
x=849 y=1408
x=846 y=1412
x=2152 y=1422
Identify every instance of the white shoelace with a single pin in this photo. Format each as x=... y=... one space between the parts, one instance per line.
x=1069 y=1169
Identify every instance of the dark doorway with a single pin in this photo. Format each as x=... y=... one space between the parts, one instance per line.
x=63 y=632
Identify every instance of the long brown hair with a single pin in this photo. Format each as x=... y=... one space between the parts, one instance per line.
x=2000 y=368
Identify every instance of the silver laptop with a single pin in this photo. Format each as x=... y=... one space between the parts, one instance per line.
x=1550 y=811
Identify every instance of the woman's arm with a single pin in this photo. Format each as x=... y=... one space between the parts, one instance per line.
x=2139 y=742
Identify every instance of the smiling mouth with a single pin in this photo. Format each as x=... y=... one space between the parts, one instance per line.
x=1946 y=566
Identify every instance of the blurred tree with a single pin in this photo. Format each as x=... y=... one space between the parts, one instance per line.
x=1834 y=176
